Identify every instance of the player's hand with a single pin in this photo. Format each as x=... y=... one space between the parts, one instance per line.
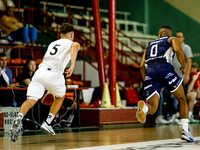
x=69 y=71
x=183 y=70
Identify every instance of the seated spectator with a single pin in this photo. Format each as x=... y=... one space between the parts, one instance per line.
x=14 y=29
x=193 y=90
x=27 y=73
x=6 y=74
x=6 y=80
x=3 y=83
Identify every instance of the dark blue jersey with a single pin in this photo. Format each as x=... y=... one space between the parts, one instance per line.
x=159 y=51
x=160 y=72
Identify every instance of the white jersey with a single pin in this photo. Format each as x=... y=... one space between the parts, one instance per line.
x=57 y=55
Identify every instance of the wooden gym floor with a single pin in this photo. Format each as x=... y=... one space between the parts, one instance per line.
x=109 y=137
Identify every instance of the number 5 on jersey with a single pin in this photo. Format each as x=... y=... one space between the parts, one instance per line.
x=55 y=48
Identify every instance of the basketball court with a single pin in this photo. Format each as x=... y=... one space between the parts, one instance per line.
x=109 y=137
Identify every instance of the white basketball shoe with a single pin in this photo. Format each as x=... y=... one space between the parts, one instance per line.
x=47 y=128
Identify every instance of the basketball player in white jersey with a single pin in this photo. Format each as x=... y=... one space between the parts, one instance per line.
x=50 y=77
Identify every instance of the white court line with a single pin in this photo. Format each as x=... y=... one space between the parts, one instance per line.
x=171 y=144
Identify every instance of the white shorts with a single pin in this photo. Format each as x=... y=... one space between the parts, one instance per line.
x=44 y=79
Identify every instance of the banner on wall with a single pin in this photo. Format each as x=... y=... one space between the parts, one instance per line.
x=9 y=114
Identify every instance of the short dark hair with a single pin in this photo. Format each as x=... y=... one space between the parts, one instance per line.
x=166 y=27
x=2 y=55
x=66 y=27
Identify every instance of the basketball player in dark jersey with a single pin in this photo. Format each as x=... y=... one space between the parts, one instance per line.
x=157 y=72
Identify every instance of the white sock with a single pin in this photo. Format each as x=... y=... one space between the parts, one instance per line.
x=145 y=109
x=185 y=124
x=50 y=118
x=190 y=114
x=20 y=115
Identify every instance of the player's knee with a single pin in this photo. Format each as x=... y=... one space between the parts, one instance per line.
x=181 y=99
x=152 y=111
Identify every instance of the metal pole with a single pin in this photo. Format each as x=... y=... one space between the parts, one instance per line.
x=69 y=12
x=99 y=43
x=18 y=9
x=112 y=50
x=32 y=12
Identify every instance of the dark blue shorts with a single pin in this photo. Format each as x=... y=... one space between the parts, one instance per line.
x=159 y=75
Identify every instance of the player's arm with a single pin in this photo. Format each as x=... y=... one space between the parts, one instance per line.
x=142 y=66
x=176 y=45
x=74 y=51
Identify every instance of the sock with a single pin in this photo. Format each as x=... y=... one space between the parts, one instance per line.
x=50 y=118
x=145 y=109
x=190 y=114
x=20 y=115
x=185 y=124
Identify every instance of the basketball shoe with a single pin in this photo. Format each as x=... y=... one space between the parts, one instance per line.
x=161 y=120
x=141 y=116
x=187 y=136
x=15 y=128
x=47 y=128
x=174 y=117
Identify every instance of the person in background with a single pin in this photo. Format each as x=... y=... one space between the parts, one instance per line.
x=188 y=59
x=25 y=76
x=6 y=73
x=3 y=83
x=6 y=80
x=14 y=29
x=193 y=90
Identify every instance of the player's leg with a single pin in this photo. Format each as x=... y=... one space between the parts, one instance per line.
x=152 y=88
x=57 y=89
x=152 y=104
x=15 y=127
x=26 y=106
x=34 y=92
x=183 y=110
x=180 y=96
x=55 y=107
x=149 y=108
